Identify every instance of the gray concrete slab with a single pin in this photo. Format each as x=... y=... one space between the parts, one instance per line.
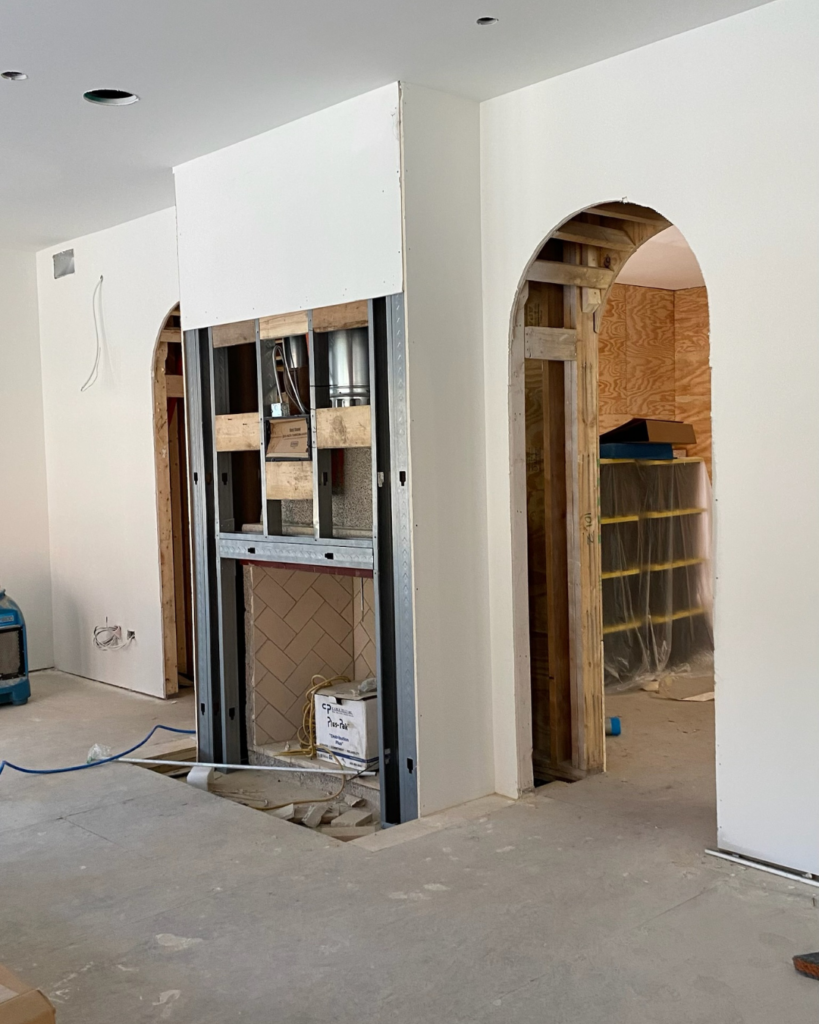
x=128 y=895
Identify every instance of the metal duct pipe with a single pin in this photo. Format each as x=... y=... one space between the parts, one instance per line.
x=349 y=353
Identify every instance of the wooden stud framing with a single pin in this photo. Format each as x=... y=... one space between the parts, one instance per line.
x=283 y=325
x=594 y=234
x=343 y=317
x=164 y=514
x=595 y=246
x=344 y=428
x=550 y=343
x=566 y=274
x=174 y=385
x=237 y=432
x=241 y=333
x=289 y=481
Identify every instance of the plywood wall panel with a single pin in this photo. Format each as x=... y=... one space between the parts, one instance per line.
x=692 y=373
x=613 y=389
x=650 y=352
x=655 y=359
x=691 y=321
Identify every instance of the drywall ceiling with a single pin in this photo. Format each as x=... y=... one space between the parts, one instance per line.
x=212 y=72
x=664 y=261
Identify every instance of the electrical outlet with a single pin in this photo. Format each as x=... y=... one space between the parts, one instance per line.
x=130 y=635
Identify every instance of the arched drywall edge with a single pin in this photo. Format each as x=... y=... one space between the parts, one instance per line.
x=598 y=240
x=164 y=519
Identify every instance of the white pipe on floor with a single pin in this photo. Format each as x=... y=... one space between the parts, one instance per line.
x=245 y=767
x=745 y=862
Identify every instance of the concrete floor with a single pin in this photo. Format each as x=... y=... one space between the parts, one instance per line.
x=128 y=895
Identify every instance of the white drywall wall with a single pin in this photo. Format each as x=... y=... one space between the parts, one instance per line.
x=24 y=559
x=441 y=160
x=716 y=130
x=100 y=445
x=305 y=215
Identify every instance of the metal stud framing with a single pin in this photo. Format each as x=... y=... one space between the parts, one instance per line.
x=218 y=550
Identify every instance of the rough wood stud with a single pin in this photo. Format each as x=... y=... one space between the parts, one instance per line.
x=237 y=432
x=344 y=428
x=569 y=274
x=550 y=343
x=283 y=325
x=595 y=234
x=240 y=333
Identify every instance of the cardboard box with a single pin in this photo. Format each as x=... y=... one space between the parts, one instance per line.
x=639 y=431
x=289 y=438
x=347 y=724
x=22 y=1004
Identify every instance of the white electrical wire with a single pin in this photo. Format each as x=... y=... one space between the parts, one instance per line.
x=92 y=377
x=109 y=638
x=248 y=767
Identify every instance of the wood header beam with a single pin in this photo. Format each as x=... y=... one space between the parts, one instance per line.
x=283 y=325
x=342 y=317
x=569 y=274
x=240 y=333
x=595 y=234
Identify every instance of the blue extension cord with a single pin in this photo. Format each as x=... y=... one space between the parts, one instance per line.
x=92 y=764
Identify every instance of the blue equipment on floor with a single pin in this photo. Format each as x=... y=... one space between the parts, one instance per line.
x=14 y=685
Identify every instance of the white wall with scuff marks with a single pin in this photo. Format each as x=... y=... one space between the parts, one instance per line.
x=716 y=129
x=305 y=215
x=441 y=161
x=25 y=570
x=100 y=445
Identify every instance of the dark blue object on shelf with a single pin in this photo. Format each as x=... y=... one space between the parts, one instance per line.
x=638 y=450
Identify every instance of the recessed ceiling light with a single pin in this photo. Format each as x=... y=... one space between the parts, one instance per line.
x=14 y=76
x=110 y=97
x=487 y=21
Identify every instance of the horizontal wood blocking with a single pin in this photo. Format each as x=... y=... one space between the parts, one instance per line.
x=174 y=385
x=170 y=335
x=283 y=325
x=241 y=333
x=629 y=211
x=569 y=274
x=342 y=317
x=344 y=428
x=595 y=234
x=554 y=343
x=238 y=432
x=289 y=481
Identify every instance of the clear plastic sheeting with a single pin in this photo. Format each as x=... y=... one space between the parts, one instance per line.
x=655 y=522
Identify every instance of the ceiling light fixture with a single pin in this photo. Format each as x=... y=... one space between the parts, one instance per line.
x=487 y=21
x=14 y=76
x=110 y=97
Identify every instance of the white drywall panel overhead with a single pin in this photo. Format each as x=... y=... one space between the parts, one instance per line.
x=715 y=129
x=100 y=445
x=306 y=215
x=24 y=559
x=441 y=165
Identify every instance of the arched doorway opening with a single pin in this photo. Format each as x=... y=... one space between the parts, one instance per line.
x=173 y=513
x=588 y=353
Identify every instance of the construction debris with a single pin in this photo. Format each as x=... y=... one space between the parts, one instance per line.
x=353 y=817
x=313 y=815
